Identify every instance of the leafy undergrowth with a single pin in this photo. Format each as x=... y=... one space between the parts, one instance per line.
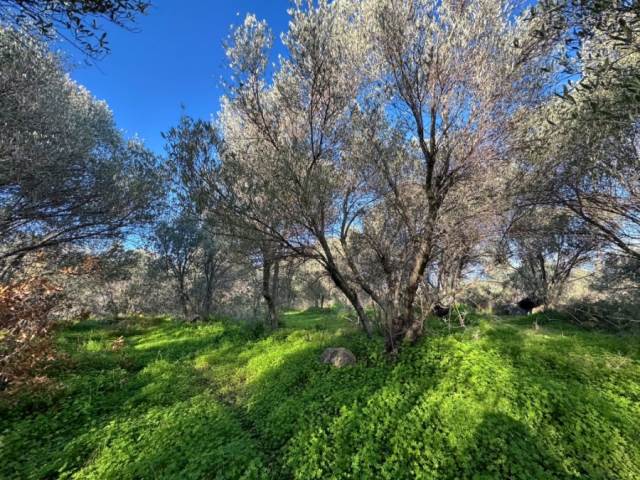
x=152 y=398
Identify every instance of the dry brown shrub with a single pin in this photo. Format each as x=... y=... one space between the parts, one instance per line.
x=25 y=326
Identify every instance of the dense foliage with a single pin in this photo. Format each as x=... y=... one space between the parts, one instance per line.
x=80 y=22
x=67 y=174
x=501 y=399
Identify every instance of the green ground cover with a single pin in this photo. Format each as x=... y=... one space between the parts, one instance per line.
x=500 y=399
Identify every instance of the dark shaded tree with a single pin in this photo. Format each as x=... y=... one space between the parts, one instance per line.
x=546 y=246
x=176 y=242
x=80 y=22
x=194 y=148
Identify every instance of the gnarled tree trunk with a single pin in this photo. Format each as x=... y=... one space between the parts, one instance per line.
x=270 y=274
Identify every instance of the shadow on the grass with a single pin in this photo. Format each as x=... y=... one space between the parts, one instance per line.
x=211 y=401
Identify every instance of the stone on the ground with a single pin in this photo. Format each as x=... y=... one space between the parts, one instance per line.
x=509 y=309
x=338 y=357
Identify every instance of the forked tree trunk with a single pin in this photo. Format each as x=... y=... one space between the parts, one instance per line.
x=343 y=285
x=353 y=298
x=406 y=327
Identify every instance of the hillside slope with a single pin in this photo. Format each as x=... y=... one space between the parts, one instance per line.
x=153 y=398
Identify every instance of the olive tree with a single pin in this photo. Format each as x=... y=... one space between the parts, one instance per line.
x=200 y=263
x=111 y=271
x=546 y=246
x=599 y=48
x=66 y=173
x=457 y=77
x=79 y=22
x=584 y=149
x=590 y=169
x=193 y=148
x=283 y=141
x=176 y=242
x=383 y=116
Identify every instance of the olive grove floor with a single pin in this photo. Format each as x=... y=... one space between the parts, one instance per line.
x=155 y=398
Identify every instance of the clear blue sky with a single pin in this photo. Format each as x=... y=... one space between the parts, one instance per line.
x=176 y=58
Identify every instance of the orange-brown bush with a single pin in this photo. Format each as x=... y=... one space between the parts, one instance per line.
x=25 y=326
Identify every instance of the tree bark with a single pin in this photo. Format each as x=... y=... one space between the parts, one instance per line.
x=210 y=271
x=275 y=294
x=353 y=298
x=184 y=297
x=342 y=284
x=405 y=326
x=268 y=290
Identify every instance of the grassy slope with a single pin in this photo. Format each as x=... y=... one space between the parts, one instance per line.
x=498 y=400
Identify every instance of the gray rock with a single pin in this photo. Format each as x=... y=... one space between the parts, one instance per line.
x=338 y=357
x=509 y=309
x=516 y=310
